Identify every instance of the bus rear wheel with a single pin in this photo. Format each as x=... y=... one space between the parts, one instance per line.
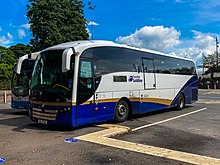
x=180 y=102
x=121 y=111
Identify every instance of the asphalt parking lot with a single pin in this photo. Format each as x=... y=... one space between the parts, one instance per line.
x=190 y=136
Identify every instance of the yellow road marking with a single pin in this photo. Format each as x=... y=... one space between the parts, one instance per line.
x=104 y=138
x=173 y=118
x=212 y=92
x=208 y=102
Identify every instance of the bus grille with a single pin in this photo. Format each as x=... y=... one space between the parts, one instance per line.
x=44 y=114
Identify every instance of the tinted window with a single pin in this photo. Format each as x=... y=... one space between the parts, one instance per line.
x=115 y=59
x=48 y=77
x=170 y=65
x=111 y=59
x=119 y=78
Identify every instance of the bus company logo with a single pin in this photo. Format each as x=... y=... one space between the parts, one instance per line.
x=135 y=79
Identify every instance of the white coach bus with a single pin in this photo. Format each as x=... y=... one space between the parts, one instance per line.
x=85 y=82
x=20 y=81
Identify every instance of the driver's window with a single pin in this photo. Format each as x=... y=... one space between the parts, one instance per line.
x=86 y=71
x=85 y=75
x=85 y=88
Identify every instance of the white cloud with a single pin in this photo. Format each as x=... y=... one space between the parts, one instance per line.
x=203 y=41
x=9 y=36
x=11 y=25
x=5 y=40
x=92 y=23
x=26 y=26
x=153 y=37
x=22 y=30
x=168 y=40
x=21 y=33
x=200 y=46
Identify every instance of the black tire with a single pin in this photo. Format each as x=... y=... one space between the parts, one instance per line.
x=121 y=111
x=180 y=102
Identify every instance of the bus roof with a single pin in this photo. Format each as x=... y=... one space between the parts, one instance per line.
x=84 y=44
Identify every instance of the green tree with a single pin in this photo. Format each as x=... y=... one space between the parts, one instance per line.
x=7 y=61
x=56 y=21
x=6 y=56
x=209 y=62
x=20 y=50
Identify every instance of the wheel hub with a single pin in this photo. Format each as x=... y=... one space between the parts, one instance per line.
x=122 y=110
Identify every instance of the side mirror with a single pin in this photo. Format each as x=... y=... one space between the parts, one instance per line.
x=66 y=59
x=22 y=58
x=19 y=63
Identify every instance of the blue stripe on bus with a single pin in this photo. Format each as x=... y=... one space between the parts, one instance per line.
x=87 y=114
x=191 y=84
x=149 y=107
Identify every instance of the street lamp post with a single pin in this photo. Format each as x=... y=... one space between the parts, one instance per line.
x=91 y=7
x=217 y=51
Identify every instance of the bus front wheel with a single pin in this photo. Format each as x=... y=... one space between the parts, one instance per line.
x=180 y=102
x=121 y=111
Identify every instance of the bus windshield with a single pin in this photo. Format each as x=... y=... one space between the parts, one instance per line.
x=20 y=82
x=49 y=80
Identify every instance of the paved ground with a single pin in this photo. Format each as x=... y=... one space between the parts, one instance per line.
x=189 y=131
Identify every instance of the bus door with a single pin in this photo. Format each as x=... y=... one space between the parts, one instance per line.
x=85 y=93
x=149 y=73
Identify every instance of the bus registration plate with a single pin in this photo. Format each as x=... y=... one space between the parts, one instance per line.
x=42 y=121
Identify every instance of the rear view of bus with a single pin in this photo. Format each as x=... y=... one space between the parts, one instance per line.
x=20 y=81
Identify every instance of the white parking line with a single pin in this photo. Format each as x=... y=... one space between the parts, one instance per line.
x=163 y=121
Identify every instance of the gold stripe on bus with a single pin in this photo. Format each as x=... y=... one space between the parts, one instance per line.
x=43 y=117
x=44 y=114
x=108 y=100
x=156 y=100
x=101 y=101
x=134 y=99
x=153 y=100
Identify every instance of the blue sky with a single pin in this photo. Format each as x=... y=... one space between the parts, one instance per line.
x=182 y=27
